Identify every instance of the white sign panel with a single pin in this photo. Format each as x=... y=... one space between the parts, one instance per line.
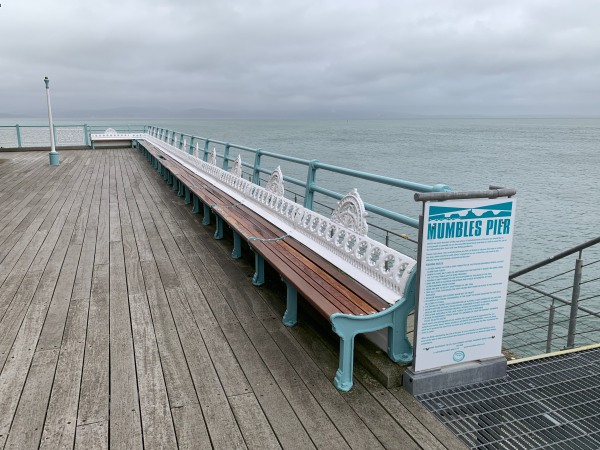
x=465 y=261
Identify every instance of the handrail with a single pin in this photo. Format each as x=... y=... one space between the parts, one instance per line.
x=557 y=257
x=537 y=306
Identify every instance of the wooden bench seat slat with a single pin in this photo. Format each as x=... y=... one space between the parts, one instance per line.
x=348 y=301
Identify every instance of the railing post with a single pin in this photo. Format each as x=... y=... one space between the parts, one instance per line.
x=181 y=140
x=18 y=128
x=256 y=171
x=86 y=136
x=310 y=180
x=226 y=157
x=550 y=328
x=575 y=301
x=205 y=156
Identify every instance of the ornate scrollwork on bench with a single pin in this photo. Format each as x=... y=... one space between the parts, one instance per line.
x=342 y=239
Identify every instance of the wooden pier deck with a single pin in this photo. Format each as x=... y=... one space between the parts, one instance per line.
x=125 y=325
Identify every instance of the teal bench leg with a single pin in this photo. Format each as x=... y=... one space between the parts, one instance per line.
x=290 y=318
x=187 y=199
x=343 y=376
x=399 y=347
x=166 y=175
x=259 y=266
x=175 y=183
x=181 y=190
x=196 y=208
x=206 y=219
x=347 y=326
x=237 y=246
x=218 y=227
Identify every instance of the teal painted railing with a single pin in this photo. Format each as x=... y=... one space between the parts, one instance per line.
x=27 y=136
x=254 y=167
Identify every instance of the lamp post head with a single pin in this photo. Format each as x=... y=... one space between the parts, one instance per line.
x=47 y=81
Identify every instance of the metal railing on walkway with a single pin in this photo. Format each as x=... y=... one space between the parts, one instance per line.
x=555 y=304
x=386 y=225
x=29 y=136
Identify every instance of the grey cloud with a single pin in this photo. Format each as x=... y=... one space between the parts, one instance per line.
x=355 y=57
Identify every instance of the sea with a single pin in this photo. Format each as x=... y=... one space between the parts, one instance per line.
x=553 y=163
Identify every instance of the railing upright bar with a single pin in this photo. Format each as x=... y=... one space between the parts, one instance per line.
x=310 y=184
x=550 y=327
x=18 y=130
x=575 y=301
x=256 y=169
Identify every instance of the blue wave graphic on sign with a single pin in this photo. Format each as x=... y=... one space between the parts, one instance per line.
x=481 y=212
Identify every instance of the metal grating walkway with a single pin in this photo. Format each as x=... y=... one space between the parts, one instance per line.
x=549 y=403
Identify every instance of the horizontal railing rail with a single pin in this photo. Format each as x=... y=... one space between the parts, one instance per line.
x=548 y=313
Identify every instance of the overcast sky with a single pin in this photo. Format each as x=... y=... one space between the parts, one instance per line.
x=355 y=57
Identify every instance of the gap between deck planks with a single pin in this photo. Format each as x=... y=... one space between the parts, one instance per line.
x=123 y=324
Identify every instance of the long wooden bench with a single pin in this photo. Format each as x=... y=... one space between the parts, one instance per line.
x=341 y=272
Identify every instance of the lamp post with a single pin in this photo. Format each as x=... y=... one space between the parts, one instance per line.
x=54 y=158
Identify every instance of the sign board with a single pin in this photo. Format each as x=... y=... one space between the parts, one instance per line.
x=465 y=261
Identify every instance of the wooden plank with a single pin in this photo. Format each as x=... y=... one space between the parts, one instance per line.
x=11 y=322
x=94 y=392
x=223 y=429
x=59 y=235
x=61 y=416
x=83 y=279
x=157 y=423
x=350 y=425
x=428 y=420
x=125 y=426
x=256 y=430
x=102 y=239
x=14 y=372
x=27 y=425
x=93 y=436
x=42 y=201
x=402 y=415
x=282 y=418
x=190 y=427
x=82 y=219
x=178 y=380
x=366 y=407
x=52 y=331
x=231 y=375
x=22 y=235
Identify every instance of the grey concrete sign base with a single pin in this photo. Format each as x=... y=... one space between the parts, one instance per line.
x=452 y=376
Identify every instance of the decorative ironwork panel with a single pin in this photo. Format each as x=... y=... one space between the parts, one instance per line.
x=8 y=137
x=66 y=136
x=35 y=137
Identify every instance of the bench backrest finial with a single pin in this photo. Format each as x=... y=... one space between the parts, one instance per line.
x=236 y=169
x=275 y=183
x=213 y=157
x=351 y=213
